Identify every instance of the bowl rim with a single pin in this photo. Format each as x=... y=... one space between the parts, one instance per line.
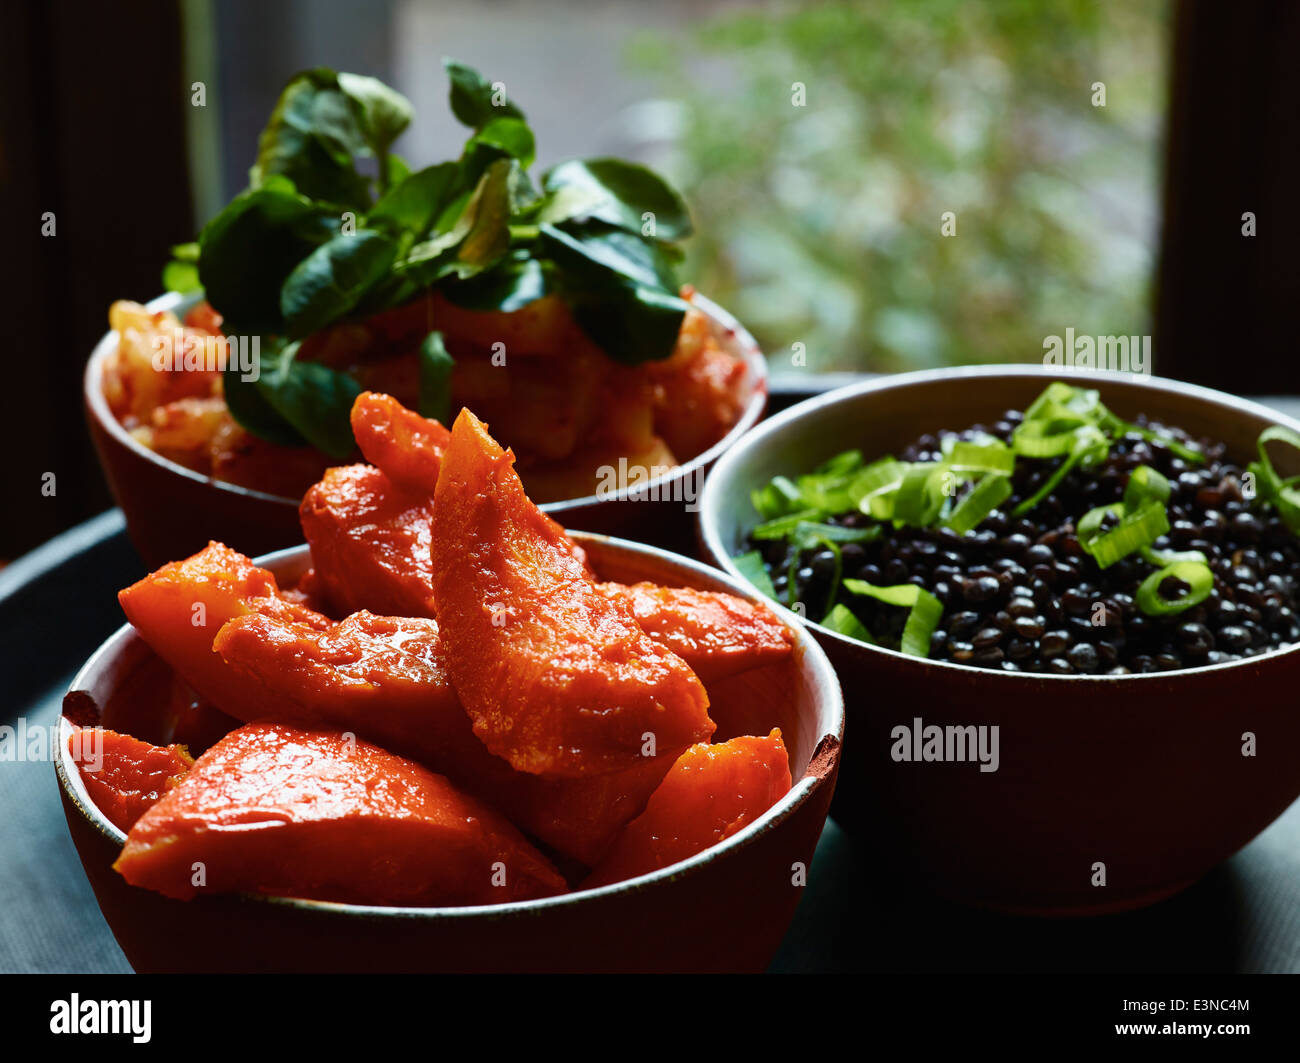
x=808 y=657
x=743 y=343
x=710 y=504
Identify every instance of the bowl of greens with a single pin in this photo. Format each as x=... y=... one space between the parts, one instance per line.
x=548 y=304
x=1063 y=606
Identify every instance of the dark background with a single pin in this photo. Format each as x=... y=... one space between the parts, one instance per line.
x=92 y=127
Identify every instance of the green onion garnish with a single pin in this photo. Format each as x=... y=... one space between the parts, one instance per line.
x=1089 y=445
x=1137 y=528
x=783 y=527
x=990 y=456
x=777 y=499
x=1283 y=494
x=991 y=491
x=843 y=622
x=1197 y=576
x=751 y=566
x=923 y=618
x=920 y=495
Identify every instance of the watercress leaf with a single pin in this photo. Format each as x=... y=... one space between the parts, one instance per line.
x=314 y=399
x=415 y=204
x=330 y=281
x=249 y=407
x=478 y=239
x=508 y=136
x=622 y=193
x=395 y=170
x=597 y=248
x=312 y=137
x=632 y=323
x=435 y=378
x=383 y=113
x=511 y=284
x=247 y=251
x=474 y=101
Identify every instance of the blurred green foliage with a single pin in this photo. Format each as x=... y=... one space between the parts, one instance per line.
x=821 y=224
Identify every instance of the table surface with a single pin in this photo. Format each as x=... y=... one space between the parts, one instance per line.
x=59 y=602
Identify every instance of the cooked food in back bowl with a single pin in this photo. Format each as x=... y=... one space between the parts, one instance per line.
x=550 y=308
x=1058 y=540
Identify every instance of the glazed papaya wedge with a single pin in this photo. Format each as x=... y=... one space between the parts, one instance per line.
x=707 y=796
x=179 y=609
x=288 y=811
x=380 y=677
x=717 y=634
x=369 y=543
x=124 y=776
x=404 y=445
x=557 y=678
x=376 y=675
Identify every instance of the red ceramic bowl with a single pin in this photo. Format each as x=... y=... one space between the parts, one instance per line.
x=725 y=909
x=172 y=511
x=1142 y=774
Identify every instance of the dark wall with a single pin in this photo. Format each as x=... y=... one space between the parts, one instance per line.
x=1227 y=303
x=91 y=128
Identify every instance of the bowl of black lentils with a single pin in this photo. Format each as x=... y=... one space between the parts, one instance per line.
x=1065 y=610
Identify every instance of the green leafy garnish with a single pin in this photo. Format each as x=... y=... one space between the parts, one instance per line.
x=923 y=617
x=335 y=227
x=1197 y=576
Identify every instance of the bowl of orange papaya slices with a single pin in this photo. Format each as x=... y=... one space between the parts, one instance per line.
x=444 y=735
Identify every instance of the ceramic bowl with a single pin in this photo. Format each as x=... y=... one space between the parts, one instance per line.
x=1112 y=791
x=172 y=511
x=725 y=909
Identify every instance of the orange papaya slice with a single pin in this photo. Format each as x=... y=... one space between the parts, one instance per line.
x=706 y=797
x=405 y=446
x=288 y=811
x=125 y=777
x=179 y=609
x=557 y=678
x=376 y=675
x=369 y=543
x=381 y=678
x=717 y=634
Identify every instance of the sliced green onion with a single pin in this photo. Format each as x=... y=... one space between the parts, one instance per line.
x=1161 y=558
x=1090 y=445
x=991 y=491
x=779 y=497
x=1137 y=528
x=1081 y=402
x=872 y=487
x=920 y=495
x=843 y=622
x=784 y=526
x=1046 y=439
x=1197 y=576
x=991 y=456
x=1145 y=484
x=1283 y=494
x=842 y=464
x=811 y=531
x=751 y=566
x=925 y=608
